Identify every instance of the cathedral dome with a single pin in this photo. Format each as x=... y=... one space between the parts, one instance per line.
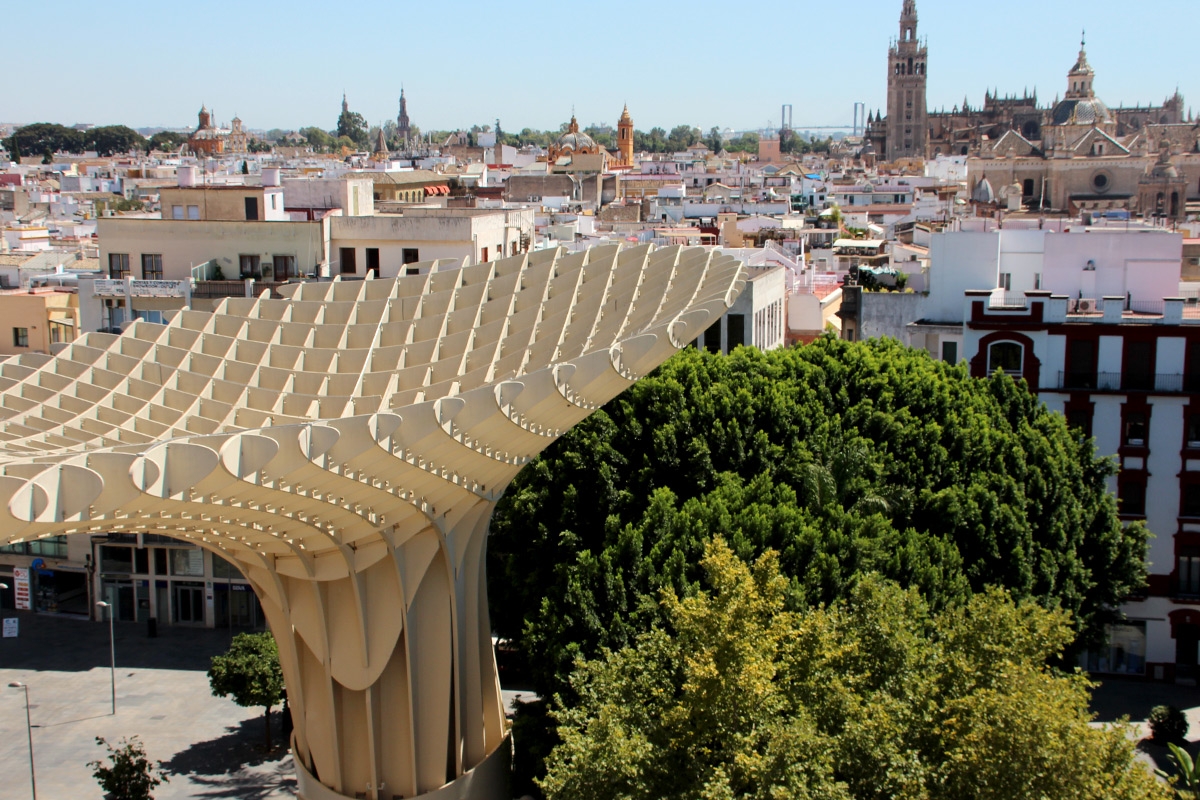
x=576 y=142
x=1083 y=111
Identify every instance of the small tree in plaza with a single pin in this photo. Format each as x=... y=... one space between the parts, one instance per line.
x=129 y=774
x=249 y=672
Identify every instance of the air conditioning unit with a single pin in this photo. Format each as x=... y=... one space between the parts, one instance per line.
x=1084 y=305
x=1193 y=443
x=1135 y=442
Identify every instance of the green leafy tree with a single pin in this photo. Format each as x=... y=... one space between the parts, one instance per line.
x=14 y=149
x=46 y=136
x=128 y=774
x=746 y=143
x=714 y=141
x=874 y=696
x=317 y=138
x=350 y=124
x=166 y=142
x=108 y=140
x=682 y=137
x=249 y=672
x=846 y=458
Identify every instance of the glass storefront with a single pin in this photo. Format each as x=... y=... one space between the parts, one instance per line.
x=1125 y=653
x=175 y=583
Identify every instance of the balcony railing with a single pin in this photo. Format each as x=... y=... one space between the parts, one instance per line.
x=215 y=290
x=1127 y=382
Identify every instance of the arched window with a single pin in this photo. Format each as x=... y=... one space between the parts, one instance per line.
x=1006 y=356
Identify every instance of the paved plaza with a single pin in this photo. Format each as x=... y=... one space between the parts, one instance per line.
x=210 y=746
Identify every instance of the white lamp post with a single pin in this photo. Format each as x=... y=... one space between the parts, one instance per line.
x=112 y=652
x=29 y=732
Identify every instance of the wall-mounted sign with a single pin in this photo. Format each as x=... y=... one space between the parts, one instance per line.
x=21 y=589
x=10 y=627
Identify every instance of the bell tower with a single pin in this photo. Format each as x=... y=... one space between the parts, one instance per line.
x=907 y=126
x=625 y=138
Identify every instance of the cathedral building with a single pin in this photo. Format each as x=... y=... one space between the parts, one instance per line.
x=1077 y=154
x=209 y=139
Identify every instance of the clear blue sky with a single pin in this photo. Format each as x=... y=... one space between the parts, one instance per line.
x=285 y=64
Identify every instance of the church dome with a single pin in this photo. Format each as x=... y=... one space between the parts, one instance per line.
x=1083 y=111
x=575 y=141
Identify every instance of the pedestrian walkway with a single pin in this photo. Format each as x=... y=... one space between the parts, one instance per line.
x=210 y=746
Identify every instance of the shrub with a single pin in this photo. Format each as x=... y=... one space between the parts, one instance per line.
x=131 y=776
x=1167 y=724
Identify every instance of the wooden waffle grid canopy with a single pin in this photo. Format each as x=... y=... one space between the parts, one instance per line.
x=297 y=434
x=344 y=447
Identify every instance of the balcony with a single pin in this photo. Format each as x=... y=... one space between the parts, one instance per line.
x=1118 y=382
x=215 y=290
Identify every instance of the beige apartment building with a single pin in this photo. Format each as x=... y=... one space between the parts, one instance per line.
x=37 y=319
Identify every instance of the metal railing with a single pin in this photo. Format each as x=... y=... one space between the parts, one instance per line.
x=214 y=290
x=1128 y=382
x=999 y=299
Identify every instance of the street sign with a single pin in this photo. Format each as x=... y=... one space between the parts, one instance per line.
x=10 y=627
x=21 y=589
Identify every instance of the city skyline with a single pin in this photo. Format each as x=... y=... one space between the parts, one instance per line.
x=672 y=64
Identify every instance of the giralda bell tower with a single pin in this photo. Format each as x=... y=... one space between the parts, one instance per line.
x=907 y=127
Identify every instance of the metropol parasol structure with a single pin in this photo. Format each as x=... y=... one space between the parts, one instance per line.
x=344 y=447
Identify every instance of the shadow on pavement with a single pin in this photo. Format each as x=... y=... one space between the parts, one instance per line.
x=1161 y=755
x=1117 y=697
x=241 y=746
x=62 y=643
x=251 y=786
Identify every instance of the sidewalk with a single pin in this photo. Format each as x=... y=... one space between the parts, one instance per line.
x=210 y=746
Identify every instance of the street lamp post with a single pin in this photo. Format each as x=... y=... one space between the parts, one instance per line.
x=29 y=732
x=112 y=652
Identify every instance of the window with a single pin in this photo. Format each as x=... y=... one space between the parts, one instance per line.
x=1187 y=571
x=1138 y=365
x=116 y=559
x=118 y=266
x=950 y=352
x=1125 y=652
x=349 y=264
x=224 y=569
x=1081 y=364
x=737 y=330
x=1135 y=428
x=1081 y=419
x=187 y=562
x=251 y=208
x=373 y=261
x=1005 y=356
x=1193 y=430
x=152 y=266
x=176 y=212
x=193 y=212
x=1005 y=282
x=410 y=255
x=249 y=266
x=150 y=316
x=1190 y=500
x=284 y=267
x=712 y=337
x=274 y=201
x=20 y=337
x=1132 y=498
x=1037 y=280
